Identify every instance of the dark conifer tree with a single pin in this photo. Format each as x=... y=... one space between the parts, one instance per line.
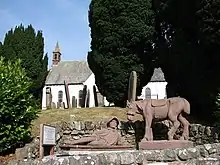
x=27 y=45
x=122 y=38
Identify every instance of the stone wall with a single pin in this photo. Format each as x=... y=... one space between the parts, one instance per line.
x=201 y=154
x=134 y=132
x=78 y=129
x=199 y=134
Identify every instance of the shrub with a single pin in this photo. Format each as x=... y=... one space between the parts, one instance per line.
x=17 y=107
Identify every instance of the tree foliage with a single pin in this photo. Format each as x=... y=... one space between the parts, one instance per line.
x=27 y=45
x=217 y=111
x=188 y=50
x=122 y=37
x=17 y=107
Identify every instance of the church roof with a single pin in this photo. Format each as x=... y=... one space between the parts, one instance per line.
x=158 y=75
x=73 y=72
x=57 y=48
x=76 y=72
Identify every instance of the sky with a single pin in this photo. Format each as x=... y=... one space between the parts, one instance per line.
x=63 y=21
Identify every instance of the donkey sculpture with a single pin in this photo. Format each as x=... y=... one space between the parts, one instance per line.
x=159 y=110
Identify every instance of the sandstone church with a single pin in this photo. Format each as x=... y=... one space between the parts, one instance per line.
x=78 y=75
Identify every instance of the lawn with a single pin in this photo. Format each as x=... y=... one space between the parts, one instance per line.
x=85 y=114
x=82 y=114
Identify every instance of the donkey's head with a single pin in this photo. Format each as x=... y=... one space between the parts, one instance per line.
x=133 y=108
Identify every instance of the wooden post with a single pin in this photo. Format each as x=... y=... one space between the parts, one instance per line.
x=132 y=86
x=41 y=154
x=67 y=94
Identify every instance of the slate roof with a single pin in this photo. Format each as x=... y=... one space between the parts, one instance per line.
x=158 y=75
x=74 y=72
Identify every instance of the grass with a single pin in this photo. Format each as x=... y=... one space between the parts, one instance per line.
x=85 y=114
x=82 y=114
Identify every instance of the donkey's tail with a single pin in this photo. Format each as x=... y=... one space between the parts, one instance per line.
x=186 y=107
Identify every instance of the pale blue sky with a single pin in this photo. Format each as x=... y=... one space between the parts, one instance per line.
x=65 y=21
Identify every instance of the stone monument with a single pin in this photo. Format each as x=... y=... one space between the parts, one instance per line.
x=105 y=138
x=132 y=86
x=48 y=98
x=95 y=96
x=172 y=109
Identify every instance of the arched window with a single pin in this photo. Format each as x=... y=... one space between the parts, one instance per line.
x=55 y=56
x=60 y=96
x=81 y=98
x=147 y=93
x=48 y=90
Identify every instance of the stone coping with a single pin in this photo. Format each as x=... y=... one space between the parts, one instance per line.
x=140 y=156
x=129 y=157
x=165 y=144
x=93 y=148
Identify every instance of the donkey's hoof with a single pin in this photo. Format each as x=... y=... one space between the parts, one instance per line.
x=144 y=140
x=182 y=138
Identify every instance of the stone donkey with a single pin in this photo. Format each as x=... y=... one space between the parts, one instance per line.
x=159 y=110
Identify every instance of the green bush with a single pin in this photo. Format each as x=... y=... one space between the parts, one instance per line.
x=17 y=106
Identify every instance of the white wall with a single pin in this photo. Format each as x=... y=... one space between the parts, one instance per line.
x=74 y=91
x=90 y=82
x=157 y=88
x=54 y=90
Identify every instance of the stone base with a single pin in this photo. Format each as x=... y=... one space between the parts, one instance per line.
x=94 y=148
x=165 y=144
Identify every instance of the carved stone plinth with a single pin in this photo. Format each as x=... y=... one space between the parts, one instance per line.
x=165 y=144
x=94 y=148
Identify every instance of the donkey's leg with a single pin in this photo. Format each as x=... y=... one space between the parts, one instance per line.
x=174 y=127
x=148 y=130
x=185 y=123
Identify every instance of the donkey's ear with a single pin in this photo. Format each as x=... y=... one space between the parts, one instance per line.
x=128 y=104
x=139 y=105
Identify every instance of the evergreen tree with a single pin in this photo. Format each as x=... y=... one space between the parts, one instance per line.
x=188 y=50
x=122 y=38
x=27 y=45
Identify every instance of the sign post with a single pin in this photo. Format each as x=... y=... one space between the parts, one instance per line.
x=47 y=140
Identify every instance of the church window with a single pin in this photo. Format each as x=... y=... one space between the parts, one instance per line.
x=60 y=96
x=147 y=93
x=55 y=56
x=48 y=90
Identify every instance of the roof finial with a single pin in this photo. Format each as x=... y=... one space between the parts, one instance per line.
x=57 y=48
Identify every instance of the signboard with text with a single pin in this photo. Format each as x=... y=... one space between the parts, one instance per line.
x=49 y=135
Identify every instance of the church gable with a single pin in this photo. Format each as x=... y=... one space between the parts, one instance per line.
x=158 y=76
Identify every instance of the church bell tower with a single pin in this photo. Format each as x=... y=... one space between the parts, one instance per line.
x=56 y=55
